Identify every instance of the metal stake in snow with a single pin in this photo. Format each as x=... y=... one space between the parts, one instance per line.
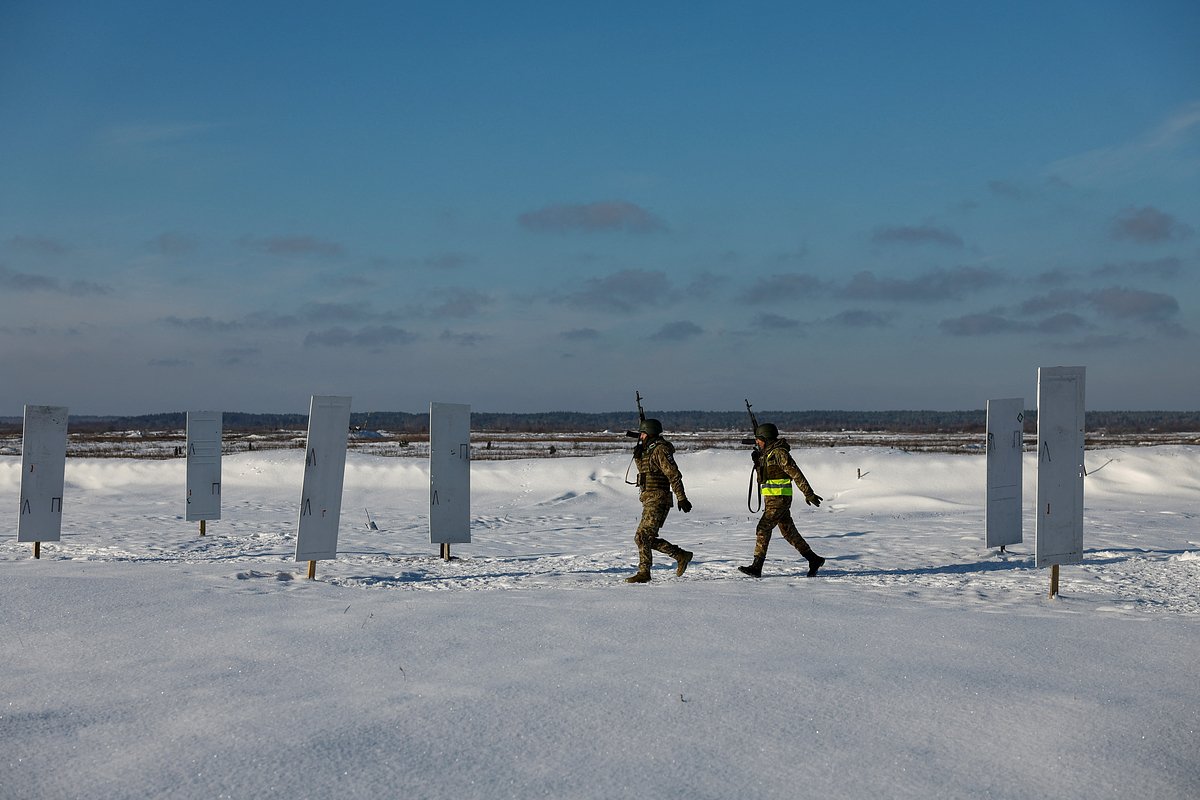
x=1059 y=529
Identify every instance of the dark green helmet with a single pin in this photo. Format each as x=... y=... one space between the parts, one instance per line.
x=651 y=427
x=767 y=432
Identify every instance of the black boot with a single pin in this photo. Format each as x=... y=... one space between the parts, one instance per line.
x=754 y=570
x=643 y=573
x=815 y=562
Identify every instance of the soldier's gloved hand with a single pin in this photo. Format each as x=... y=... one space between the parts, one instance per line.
x=813 y=499
x=685 y=505
x=755 y=456
x=637 y=451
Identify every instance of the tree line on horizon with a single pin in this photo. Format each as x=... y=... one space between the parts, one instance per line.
x=899 y=421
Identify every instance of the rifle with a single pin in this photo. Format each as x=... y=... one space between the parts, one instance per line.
x=757 y=471
x=641 y=415
x=635 y=435
x=753 y=425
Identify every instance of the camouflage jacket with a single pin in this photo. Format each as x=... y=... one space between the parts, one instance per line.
x=658 y=475
x=779 y=470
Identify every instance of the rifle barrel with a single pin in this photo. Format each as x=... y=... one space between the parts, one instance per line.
x=753 y=419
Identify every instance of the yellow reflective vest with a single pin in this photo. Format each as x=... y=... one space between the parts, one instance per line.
x=781 y=487
x=779 y=470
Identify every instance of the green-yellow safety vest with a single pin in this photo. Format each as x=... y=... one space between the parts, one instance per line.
x=778 y=487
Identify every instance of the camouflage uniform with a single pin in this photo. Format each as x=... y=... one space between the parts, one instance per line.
x=777 y=470
x=658 y=477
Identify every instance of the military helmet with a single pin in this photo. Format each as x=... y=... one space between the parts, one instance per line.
x=651 y=427
x=767 y=432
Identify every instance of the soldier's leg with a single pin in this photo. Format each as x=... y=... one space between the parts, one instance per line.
x=681 y=556
x=662 y=545
x=762 y=540
x=657 y=542
x=788 y=527
x=652 y=519
x=774 y=511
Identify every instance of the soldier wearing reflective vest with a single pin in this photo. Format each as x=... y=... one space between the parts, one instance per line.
x=776 y=471
x=658 y=477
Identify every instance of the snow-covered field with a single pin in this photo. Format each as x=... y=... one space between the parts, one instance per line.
x=140 y=660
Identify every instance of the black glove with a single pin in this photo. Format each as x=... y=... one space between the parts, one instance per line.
x=685 y=505
x=813 y=499
x=637 y=450
x=755 y=456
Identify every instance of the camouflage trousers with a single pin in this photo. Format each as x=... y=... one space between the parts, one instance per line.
x=777 y=513
x=647 y=538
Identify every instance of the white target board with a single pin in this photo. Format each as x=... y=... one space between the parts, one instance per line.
x=1059 y=506
x=43 y=471
x=1005 y=435
x=449 y=473
x=203 y=465
x=324 y=473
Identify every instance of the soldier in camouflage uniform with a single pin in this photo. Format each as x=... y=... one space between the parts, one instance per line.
x=776 y=471
x=658 y=477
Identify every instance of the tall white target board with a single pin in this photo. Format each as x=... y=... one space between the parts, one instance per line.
x=203 y=465
x=1059 y=506
x=43 y=473
x=1005 y=434
x=324 y=474
x=449 y=473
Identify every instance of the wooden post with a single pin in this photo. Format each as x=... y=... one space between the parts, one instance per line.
x=201 y=527
x=1053 y=580
x=312 y=570
x=37 y=549
x=446 y=551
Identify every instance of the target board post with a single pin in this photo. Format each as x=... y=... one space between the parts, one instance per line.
x=324 y=474
x=449 y=475
x=203 y=467
x=43 y=475
x=1059 y=505
x=1005 y=435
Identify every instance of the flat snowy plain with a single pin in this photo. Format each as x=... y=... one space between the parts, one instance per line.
x=141 y=660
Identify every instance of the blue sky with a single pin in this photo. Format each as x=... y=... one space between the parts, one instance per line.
x=533 y=206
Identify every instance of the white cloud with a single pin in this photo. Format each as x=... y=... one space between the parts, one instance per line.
x=1159 y=150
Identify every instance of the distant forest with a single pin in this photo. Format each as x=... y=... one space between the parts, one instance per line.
x=576 y=422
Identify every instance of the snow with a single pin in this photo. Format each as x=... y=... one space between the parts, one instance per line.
x=142 y=660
